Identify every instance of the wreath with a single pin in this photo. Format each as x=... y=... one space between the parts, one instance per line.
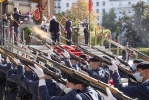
x=25 y=34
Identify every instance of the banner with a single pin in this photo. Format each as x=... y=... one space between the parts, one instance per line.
x=36 y=14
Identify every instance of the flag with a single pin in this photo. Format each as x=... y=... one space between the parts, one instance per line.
x=90 y=6
x=1 y=0
x=43 y=6
x=36 y=14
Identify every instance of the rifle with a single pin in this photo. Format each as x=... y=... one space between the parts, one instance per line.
x=45 y=43
x=58 y=78
x=112 y=56
x=122 y=69
x=143 y=56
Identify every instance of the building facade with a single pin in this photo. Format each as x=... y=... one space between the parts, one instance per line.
x=99 y=6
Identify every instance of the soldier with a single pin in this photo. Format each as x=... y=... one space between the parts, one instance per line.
x=22 y=93
x=75 y=89
x=140 y=91
x=86 y=31
x=68 y=29
x=135 y=63
x=55 y=29
x=16 y=18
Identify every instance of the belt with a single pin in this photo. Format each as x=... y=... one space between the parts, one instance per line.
x=11 y=89
x=26 y=96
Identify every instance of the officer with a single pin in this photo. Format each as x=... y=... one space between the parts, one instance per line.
x=55 y=29
x=140 y=91
x=135 y=63
x=22 y=93
x=75 y=89
x=68 y=29
x=32 y=86
x=10 y=87
x=16 y=18
x=2 y=82
x=86 y=31
x=94 y=70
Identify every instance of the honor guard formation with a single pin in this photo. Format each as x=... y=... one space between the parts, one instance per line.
x=66 y=72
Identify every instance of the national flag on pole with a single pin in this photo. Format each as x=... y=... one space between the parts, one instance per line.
x=1 y=0
x=36 y=14
x=90 y=6
x=44 y=6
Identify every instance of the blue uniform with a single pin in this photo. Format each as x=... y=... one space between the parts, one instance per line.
x=100 y=74
x=32 y=86
x=22 y=92
x=69 y=31
x=140 y=91
x=17 y=17
x=10 y=87
x=85 y=94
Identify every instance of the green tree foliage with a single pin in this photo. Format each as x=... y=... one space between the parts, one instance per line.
x=137 y=23
x=108 y=20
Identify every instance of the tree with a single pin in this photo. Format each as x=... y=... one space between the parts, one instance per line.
x=80 y=11
x=136 y=24
x=108 y=20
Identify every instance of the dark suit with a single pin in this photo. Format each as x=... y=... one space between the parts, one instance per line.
x=54 y=28
x=17 y=17
x=86 y=32
x=69 y=31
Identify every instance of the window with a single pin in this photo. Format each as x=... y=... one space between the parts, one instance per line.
x=129 y=10
x=55 y=5
x=120 y=3
x=97 y=3
x=98 y=18
x=103 y=3
x=59 y=6
x=120 y=11
x=54 y=11
x=147 y=1
x=129 y=3
x=97 y=10
x=67 y=4
x=103 y=11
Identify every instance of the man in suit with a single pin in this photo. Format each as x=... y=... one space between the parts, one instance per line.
x=86 y=31
x=16 y=18
x=54 y=29
x=68 y=29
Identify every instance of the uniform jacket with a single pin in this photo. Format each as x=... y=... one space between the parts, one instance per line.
x=140 y=91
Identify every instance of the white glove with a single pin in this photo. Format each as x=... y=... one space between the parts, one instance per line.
x=117 y=61
x=66 y=54
x=17 y=61
x=113 y=67
x=49 y=56
x=110 y=96
x=50 y=52
x=8 y=60
x=38 y=71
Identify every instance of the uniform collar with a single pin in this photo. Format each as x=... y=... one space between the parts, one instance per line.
x=146 y=81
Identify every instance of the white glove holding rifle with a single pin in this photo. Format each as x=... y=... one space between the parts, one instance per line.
x=110 y=96
x=66 y=54
x=40 y=74
x=113 y=67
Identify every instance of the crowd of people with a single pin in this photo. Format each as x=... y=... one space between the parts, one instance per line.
x=25 y=82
